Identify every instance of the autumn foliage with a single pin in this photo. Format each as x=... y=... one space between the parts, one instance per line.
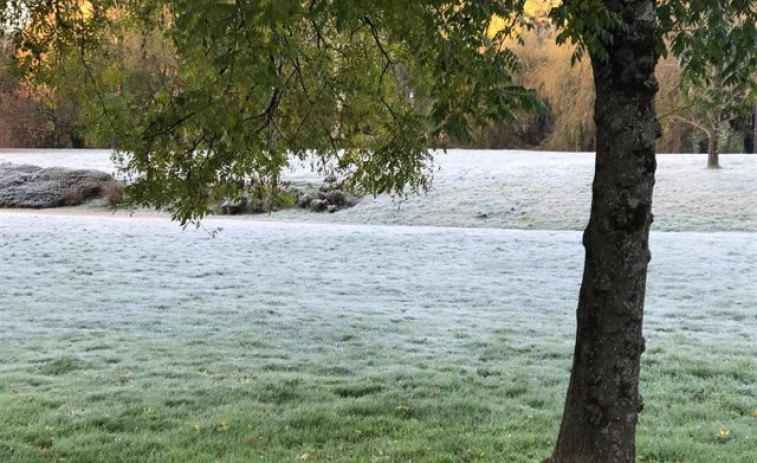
x=33 y=116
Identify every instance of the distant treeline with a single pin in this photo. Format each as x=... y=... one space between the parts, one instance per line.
x=33 y=116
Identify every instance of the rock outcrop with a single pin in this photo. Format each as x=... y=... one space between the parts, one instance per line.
x=27 y=186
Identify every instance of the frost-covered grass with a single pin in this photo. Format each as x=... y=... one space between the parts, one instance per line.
x=128 y=340
x=520 y=190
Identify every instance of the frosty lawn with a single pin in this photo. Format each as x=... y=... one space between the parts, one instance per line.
x=518 y=189
x=128 y=340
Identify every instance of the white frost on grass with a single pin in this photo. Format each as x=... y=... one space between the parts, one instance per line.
x=520 y=190
x=421 y=291
x=552 y=191
x=68 y=158
x=138 y=310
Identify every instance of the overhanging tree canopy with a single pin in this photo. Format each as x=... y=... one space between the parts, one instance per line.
x=366 y=87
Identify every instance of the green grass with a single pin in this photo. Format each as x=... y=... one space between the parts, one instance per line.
x=144 y=345
x=190 y=401
x=172 y=400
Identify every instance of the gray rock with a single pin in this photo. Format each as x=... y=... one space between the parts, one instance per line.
x=332 y=208
x=229 y=207
x=336 y=197
x=35 y=187
x=304 y=200
x=318 y=205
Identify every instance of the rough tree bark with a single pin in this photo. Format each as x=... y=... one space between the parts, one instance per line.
x=603 y=400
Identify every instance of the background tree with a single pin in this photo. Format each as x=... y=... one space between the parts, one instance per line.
x=724 y=52
x=566 y=88
x=710 y=104
x=364 y=89
x=718 y=73
x=678 y=136
x=754 y=130
x=31 y=116
x=16 y=111
x=133 y=62
x=144 y=61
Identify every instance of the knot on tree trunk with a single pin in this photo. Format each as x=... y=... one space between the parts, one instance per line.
x=595 y=415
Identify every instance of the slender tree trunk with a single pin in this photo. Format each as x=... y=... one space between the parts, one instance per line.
x=603 y=400
x=754 y=131
x=713 y=150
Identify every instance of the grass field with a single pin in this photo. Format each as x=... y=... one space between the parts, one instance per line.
x=526 y=190
x=128 y=340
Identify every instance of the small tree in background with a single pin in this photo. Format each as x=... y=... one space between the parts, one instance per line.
x=711 y=101
x=754 y=129
x=718 y=67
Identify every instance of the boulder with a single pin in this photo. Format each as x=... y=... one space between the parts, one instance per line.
x=229 y=207
x=26 y=186
x=336 y=197
x=304 y=201
x=318 y=205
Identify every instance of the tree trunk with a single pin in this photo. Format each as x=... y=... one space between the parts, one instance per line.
x=754 y=131
x=712 y=145
x=603 y=400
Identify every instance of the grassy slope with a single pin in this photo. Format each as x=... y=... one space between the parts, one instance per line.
x=127 y=340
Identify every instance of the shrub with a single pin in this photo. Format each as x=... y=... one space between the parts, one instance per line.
x=81 y=192
x=113 y=193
